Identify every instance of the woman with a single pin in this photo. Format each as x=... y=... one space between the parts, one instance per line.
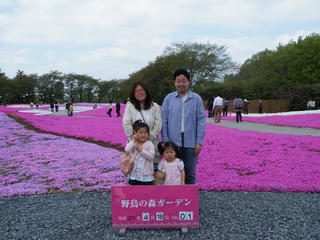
x=140 y=106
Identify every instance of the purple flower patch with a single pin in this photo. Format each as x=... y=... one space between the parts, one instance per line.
x=33 y=163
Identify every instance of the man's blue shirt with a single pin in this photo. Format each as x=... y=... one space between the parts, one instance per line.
x=194 y=119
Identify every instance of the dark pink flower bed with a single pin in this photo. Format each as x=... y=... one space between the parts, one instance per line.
x=11 y=109
x=305 y=120
x=247 y=161
x=231 y=159
x=95 y=128
x=102 y=111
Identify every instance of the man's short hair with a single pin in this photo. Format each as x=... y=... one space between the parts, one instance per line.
x=182 y=71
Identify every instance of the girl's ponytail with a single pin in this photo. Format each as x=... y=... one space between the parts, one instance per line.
x=161 y=147
x=139 y=124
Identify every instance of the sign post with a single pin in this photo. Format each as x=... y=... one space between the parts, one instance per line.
x=155 y=207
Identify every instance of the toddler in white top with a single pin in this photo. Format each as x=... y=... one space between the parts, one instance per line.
x=171 y=168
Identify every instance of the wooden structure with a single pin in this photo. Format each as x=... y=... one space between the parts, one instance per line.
x=268 y=106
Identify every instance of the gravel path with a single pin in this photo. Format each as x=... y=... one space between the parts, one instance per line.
x=223 y=215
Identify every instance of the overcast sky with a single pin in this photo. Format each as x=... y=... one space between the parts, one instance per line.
x=109 y=39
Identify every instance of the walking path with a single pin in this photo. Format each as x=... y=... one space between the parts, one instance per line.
x=267 y=128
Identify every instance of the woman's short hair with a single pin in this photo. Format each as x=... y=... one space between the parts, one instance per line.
x=135 y=102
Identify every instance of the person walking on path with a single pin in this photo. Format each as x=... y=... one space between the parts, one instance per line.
x=183 y=119
x=68 y=108
x=71 y=110
x=225 y=107
x=56 y=106
x=109 y=108
x=118 y=107
x=141 y=107
x=210 y=107
x=311 y=105
x=52 y=107
x=260 y=106
x=217 y=106
x=237 y=108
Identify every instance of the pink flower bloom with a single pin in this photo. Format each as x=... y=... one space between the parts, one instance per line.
x=304 y=120
x=231 y=159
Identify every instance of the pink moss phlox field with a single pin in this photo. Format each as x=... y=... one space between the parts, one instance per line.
x=237 y=160
x=104 y=129
x=33 y=163
x=11 y=109
x=231 y=160
x=102 y=111
x=305 y=120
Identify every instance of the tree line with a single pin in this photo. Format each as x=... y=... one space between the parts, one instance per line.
x=57 y=87
x=291 y=71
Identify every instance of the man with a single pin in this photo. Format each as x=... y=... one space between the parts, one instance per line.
x=260 y=106
x=309 y=104
x=313 y=105
x=217 y=106
x=225 y=107
x=52 y=106
x=210 y=108
x=237 y=107
x=56 y=106
x=183 y=122
x=118 y=107
x=109 y=108
x=68 y=108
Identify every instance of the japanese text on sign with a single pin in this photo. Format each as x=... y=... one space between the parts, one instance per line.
x=155 y=206
x=151 y=203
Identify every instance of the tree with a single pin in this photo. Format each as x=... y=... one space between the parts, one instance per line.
x=276 y=74
x=58 y=91
x=205 y=62
x=157 y=76
x=22 y=87
x=109 y=91
x=5 y=88
x=50 y=87
x=91 y=88
x=70 y=81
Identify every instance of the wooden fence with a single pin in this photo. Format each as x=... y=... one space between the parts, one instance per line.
x=268 y=106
